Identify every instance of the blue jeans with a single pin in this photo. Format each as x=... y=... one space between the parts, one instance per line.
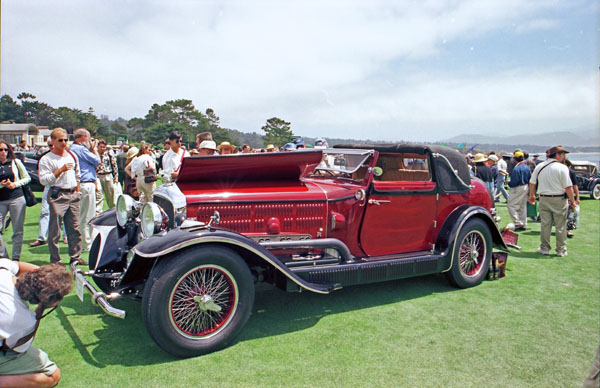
x=500 y=188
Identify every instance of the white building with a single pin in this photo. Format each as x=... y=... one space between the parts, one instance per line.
x=13 y=133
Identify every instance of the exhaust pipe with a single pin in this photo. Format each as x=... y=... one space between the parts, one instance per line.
x=322 y=243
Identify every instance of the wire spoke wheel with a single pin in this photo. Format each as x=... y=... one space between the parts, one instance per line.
x=198 y=300
x=203 y=301
x=472 y=253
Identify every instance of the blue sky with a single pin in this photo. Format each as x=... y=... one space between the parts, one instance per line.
x=383 y=70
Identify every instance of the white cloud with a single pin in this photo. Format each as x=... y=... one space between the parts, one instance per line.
x=319 y=64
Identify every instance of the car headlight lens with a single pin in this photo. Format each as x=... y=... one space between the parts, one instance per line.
x=125 y=208
x=153 y=219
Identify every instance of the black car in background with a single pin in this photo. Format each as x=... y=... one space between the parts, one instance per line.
x=30 y=160
x=588 y=180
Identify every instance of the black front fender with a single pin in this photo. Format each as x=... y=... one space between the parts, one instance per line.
x=106 y=218
x=162 y=245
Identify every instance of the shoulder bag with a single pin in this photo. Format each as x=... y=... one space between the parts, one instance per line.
x=149 y=175
x=30 y=199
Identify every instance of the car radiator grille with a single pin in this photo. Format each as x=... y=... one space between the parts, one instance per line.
x=252 y=218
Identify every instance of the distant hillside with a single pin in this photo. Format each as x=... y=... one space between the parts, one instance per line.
x=579 y=138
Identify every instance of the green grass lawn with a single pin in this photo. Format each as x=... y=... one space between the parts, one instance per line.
x=538 y=327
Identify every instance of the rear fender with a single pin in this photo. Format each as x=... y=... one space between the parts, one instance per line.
x=446 y=241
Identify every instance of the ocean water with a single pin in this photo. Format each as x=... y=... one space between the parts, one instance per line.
x=593 y=157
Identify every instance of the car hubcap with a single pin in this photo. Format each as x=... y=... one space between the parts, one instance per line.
x=206 y=303
x=596 y=191
x=472 y=253
x=203 y=302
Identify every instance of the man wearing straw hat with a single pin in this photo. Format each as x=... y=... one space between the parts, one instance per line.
x=226 y=148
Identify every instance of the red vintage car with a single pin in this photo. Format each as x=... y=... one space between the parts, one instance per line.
x=314 y=220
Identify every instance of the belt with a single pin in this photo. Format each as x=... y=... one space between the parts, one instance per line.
x=88 y=182
x=552 y=196
x=72 y=190
x=104 y=173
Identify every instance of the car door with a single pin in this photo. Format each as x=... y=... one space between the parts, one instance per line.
x=401 y=207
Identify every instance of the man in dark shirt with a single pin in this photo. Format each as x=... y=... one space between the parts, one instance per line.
x=519 y=191
x=121 y=163
x=512 y=162
x=484 y=173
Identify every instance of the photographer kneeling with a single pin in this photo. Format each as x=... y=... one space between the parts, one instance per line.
x=23 y=365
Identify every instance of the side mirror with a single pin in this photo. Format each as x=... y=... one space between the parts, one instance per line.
x=377 y=171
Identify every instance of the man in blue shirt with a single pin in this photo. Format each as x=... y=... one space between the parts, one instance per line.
x=519 y=191
x=85 y=149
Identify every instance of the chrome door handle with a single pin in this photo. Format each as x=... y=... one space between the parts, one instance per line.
x=377 y=201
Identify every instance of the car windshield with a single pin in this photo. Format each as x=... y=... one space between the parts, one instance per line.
x=343 y=161
x=585 y=169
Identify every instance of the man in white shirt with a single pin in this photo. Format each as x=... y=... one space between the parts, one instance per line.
x=553 y=181
x=172 y=160
x=59 y=169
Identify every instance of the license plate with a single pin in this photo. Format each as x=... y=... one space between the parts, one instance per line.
x=79 y=286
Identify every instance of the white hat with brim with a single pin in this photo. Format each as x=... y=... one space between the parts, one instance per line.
x=133 y=151
x=208 y=145
x=480 y=158
x=493 y=157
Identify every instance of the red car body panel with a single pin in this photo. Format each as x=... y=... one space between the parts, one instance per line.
x=391 y=225
x=273 y=195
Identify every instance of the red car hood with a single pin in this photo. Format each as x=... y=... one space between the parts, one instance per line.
x=229 y=170
x=226 y=182
x=250 y=190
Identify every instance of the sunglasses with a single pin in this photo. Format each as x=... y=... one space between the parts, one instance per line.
x=177 y=140
x=4 y=149
x=62 y=140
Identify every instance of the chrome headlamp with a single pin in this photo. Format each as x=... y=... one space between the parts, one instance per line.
x=153 y=219
x=126 y=209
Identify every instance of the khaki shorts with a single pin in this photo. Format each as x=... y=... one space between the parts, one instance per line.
x=33 y=360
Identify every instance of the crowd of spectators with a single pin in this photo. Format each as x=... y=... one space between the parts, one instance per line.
x=555 y=191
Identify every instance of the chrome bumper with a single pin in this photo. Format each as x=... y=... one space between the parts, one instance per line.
x=98 y=297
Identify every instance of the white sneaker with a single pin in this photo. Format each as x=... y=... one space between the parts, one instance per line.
x=562 y=254
x=543 y=252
